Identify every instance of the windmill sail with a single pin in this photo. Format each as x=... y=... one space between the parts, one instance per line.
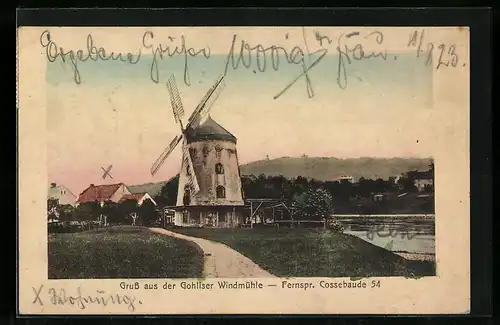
x=206 y=103
x=195 y=119
x=175 y=99
x=192 y=179
x=106 y=172
x=165 y=154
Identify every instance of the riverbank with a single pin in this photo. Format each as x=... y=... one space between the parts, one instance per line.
x=427 y=257
x=312 y=252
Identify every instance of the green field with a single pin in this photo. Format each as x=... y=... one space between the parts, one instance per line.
x=122 y=252
x=313 y=253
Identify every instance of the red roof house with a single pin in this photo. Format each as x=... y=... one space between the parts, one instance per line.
x=103 y=193
x=139 y=197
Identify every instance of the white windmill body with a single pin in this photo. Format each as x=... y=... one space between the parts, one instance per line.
x=209 y=190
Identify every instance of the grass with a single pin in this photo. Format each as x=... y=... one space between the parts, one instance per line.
x=313 y=253
x=122 y=252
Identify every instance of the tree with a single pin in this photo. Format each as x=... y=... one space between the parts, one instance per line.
x=52 y=209
x=315 y=204
x=148 y=212
x=66 y=212
x=128 y=210
x=110 y=210
x=300 y=185
x=168 y=193
x=87 y=211
x=407 y=184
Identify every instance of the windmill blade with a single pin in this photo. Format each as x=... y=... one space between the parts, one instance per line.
x=192 y=179
x=165 y=154
x=175 y=99
x=206 y=103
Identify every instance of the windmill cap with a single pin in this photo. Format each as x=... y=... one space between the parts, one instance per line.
x=209 y=130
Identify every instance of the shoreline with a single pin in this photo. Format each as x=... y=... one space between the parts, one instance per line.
x=417 y=256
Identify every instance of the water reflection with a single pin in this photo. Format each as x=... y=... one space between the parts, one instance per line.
x=409 y=234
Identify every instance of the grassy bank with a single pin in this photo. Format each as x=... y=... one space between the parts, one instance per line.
x=313 y=253
x=122 y=252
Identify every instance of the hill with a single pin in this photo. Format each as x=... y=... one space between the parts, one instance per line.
x=329 y=168
x=152 y=189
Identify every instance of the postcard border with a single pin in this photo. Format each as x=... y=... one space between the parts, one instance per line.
x=480 y=136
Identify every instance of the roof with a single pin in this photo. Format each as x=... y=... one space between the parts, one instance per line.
x=134 y=196
x=55 y=191
x=98 y=193
x=415 y=174
x=209 y=130
x=152 y=189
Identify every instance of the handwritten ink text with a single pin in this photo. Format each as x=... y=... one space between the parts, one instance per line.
x=159 y=49
x=447 y=53
x=383 y=231
x=346 y=54
x=271 y=54
x=52 y=52
x=60 y=297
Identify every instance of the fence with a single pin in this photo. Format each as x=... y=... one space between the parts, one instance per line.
x=287 y=224
x=70 y=227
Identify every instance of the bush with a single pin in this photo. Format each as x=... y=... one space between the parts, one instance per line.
x=335 y=226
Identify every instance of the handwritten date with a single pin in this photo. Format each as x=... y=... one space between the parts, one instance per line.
x=447 y=55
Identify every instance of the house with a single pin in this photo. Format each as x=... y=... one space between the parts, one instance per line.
x=62 y=194
x=139 y=197
x=422 y=179
x=423 y=182
x=103 y=193
x=344 y=178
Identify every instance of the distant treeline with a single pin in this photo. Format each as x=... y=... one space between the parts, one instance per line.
x=357 y=197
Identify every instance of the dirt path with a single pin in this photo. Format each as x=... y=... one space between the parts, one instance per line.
x=220 y=260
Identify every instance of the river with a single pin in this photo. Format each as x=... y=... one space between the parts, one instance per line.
x=413 y=234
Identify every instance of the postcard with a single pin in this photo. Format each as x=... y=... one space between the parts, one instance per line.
x=243 y=170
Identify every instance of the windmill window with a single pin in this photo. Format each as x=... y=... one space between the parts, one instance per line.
x=221 y=192
x=187 y=195
x=219 y=169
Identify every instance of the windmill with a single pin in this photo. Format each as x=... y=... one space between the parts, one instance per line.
x=194 y=120
x=203 y=162
x=106 y=172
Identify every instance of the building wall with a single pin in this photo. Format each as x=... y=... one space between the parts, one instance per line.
x=421 y=183
x=120 y=192
x=225 y=218
x=205 y=155
x=62 y=194
x=144 y=198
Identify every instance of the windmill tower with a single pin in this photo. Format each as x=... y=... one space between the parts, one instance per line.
x=209 y=190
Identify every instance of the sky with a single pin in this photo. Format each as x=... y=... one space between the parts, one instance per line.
x=118 y=115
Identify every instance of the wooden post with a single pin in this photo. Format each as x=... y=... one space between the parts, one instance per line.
x=251 y=214
x=234 y=217
x=274 y=219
